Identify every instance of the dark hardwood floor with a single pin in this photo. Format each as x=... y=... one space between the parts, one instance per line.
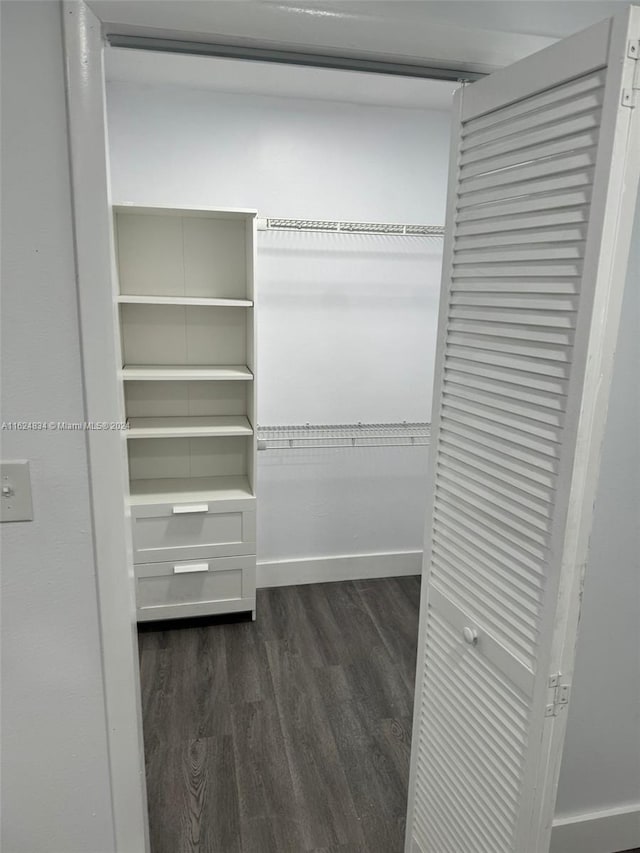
x=288 y=734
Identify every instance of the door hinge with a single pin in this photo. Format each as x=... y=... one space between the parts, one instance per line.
x=559 y=692
x=628 y=94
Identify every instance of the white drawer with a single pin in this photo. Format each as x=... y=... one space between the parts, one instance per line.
x=183 y=589
x=189 y=531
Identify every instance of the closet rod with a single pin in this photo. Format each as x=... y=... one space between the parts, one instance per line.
x=256 y=52
x=341 y=227
x=300 y=436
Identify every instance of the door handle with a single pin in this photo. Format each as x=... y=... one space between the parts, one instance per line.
x=470 y=635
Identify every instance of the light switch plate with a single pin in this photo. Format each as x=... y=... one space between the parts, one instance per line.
x=15 y=495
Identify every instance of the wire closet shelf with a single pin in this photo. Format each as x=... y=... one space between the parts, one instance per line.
x=311 y=436
x=334 y=226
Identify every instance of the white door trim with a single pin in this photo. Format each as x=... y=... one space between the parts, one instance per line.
x=85 y=89
x=616 y=828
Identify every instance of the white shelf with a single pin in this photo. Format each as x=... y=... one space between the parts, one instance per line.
x=168 y=372
x=175 y=490
x=188 y=427
x=211 y=302
x=199 y=212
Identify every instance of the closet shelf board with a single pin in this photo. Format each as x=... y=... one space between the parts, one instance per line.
x=188 y=427
x=206 y=301
x=189 y=372
x=189 y=489
x=198 y=212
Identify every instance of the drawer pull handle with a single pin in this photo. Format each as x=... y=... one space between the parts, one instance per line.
x=181 y=509
x=183 y=568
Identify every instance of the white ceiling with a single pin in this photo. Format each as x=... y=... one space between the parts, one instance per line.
x=466 y=34
x=389 y=30
x=266 y=78
x=553 y=18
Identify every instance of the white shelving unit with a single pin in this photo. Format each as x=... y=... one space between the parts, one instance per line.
x=187 y=335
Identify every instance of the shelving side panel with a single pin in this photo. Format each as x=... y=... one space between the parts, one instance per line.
x=251 y=348
x=250 y=256
x=115 y=316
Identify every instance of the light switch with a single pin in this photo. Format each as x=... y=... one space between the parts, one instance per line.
x=15 y=494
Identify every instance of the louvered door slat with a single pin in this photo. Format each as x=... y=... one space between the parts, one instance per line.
x=544 y=302
x=520 y=590
x=539 y=400
x=561 y=287
x=496 y=549
x=580 y=178
x=586 y=111
x=473 y=522
x=487 y=463
x=525 y=376
x=527 y=252
x=566 y=94
x=501 y=154
x=516 y=344
x=505 y=748
x=523 y=222
x=538 y=480
x=517 y=172
x=575 y=197
x=501 y=467
x=545 y=235
x=501 y=347
x=508 y=452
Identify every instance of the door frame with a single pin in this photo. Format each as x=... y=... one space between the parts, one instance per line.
x=93 y=243
x=93 y=248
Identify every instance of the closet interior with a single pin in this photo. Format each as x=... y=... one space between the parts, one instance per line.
x=287 y=224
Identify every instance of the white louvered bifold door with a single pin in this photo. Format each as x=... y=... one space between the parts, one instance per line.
x=542 y=191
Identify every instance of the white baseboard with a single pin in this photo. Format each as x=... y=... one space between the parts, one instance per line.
x=346 y=567
x=607 y=831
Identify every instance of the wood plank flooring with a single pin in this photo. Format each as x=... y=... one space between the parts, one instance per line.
x=290 y=734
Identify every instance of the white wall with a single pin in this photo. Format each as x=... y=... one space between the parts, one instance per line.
x=346 y=323
x=55 y=778
x=346 y=334
x=601 y=763
x=291 y=158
